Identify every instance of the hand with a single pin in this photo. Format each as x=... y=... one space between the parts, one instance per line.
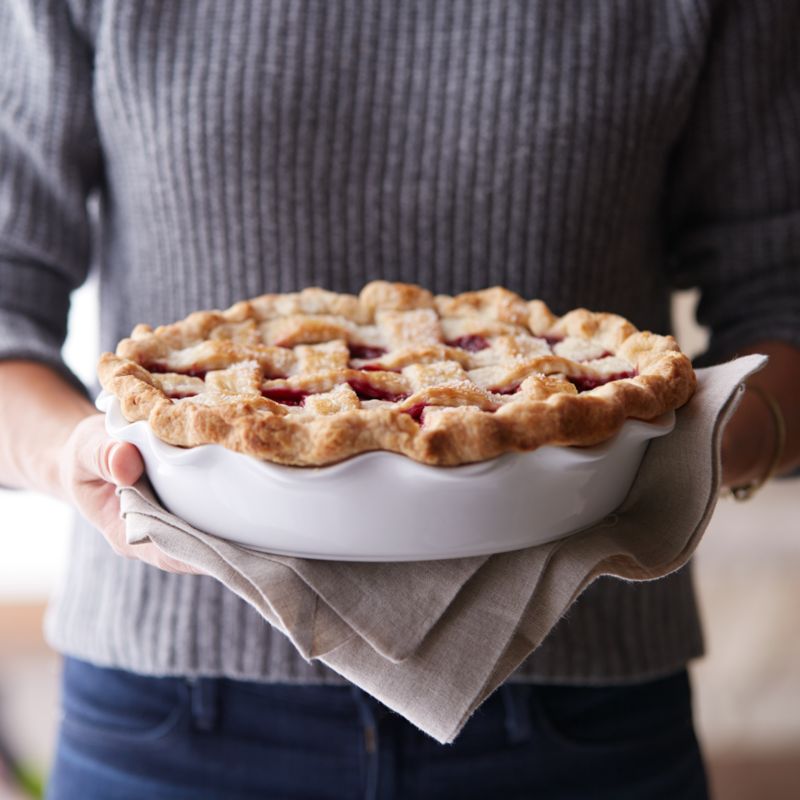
x=91 y=466
x=749 y=442
x=751 y=438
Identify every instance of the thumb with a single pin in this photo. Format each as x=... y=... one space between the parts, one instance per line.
x=125 y=464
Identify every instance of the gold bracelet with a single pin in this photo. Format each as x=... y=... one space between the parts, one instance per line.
x=747 y=490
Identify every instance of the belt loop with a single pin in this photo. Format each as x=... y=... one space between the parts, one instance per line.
x=516 y=700
x=204 y=702
x=369 y=720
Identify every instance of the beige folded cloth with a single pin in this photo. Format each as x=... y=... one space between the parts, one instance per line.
x=433 y=639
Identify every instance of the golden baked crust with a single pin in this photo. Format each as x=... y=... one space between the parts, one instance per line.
x=315 y=377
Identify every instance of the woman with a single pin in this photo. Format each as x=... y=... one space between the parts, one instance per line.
x=588 y=154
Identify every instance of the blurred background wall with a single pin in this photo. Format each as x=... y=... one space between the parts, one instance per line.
x=747 y=688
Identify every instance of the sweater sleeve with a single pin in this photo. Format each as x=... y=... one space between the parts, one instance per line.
x=734 y=182
x=49 y=162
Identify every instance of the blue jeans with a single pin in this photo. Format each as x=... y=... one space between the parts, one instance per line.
x=130 y=737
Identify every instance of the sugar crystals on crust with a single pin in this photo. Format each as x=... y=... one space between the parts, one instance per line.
x=314 y=377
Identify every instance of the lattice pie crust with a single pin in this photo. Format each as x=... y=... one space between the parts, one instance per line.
x=314 y=377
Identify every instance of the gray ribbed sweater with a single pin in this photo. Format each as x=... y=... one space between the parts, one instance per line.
x=582 y=152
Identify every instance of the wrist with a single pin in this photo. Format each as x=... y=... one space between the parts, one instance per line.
x=38 y=410
x=41 y=462
x=768 y=435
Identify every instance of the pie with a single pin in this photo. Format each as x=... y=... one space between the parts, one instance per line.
x=314 y=377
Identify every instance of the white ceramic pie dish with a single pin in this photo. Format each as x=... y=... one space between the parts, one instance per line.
x=382 y=506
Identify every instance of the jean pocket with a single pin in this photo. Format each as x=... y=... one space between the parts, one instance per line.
x=631 y=717
x=109 y=704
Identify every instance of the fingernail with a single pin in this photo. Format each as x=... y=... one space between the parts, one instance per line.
x=112 y=451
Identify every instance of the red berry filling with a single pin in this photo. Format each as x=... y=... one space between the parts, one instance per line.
x=180 y=395
x=415 y=411
x=585 y=383
x=287 y=396
x=376 y=368
x=366 y=391
x=161 y=369
x=510 y=390
x=365 y=351
x=473 y=342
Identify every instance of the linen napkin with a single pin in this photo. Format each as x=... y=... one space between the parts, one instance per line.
x=433 y=639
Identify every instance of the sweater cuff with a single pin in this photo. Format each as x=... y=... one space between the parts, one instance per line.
x=23 y=339
x=729 y=344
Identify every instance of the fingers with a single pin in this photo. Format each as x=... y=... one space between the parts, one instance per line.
x=117 y=462
x=93 y=464
x=100 y=461
x=125 y=463
x=91 y=454
x=145 y=551
x=150 y=554
x=114 y=533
